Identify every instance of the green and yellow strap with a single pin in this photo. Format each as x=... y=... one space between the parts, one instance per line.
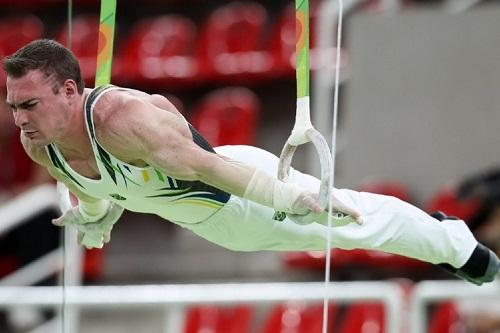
x=303 y=130
x=105 y=43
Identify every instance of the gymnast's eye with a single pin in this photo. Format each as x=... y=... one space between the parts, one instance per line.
x=28 y=106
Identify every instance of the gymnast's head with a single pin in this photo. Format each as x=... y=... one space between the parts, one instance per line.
x=53 y=60
x=44 y=89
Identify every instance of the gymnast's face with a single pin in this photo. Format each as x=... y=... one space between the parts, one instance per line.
x=40 y=107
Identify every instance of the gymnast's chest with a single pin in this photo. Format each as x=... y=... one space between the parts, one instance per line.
x=85 y=167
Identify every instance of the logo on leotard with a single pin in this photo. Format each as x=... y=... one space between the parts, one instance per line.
x=279 y=216
x=117 y=196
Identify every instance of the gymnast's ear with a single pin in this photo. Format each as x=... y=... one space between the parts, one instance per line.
x=70 y=88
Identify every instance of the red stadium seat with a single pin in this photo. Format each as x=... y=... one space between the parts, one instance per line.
x=364 y=317
x=446 y=200
x=160 y=51
x=31 y=4
x=315 y=260
x=296 y=317
x=8 y=264
x=86 y=2
x=15 y=32
x=387 y=187
x=313 y=319
x=232 y=43
x=228 y=116
x=283 y=42
x=93 y=263
x=217 y=319
x=84 y=40
x=445 y=319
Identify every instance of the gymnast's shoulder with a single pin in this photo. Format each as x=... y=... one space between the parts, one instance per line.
x=127 y=122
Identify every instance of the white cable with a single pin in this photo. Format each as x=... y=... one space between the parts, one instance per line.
x=65 y=200
x=332 y=169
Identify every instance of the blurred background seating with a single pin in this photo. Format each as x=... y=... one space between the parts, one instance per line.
x=159 y=52
x=15 y=32
x=229 y=67
x=231 y=45
x=228 y=116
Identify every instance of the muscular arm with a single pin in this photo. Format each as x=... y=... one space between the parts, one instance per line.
x=161 y=138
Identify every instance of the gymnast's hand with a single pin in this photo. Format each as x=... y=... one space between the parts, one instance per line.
x=91 y=234
x=308 y=210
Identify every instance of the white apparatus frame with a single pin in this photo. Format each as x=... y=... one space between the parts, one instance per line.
x=174 y=298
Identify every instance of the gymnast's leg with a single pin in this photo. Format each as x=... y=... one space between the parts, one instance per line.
x=390 y=225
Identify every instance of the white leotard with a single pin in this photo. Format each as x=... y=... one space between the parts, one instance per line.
x=141 y=189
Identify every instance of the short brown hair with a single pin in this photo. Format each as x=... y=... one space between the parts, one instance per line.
x=48 y=56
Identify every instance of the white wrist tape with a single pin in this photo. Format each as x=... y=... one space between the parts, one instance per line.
x=93 y=211
x=272 y=192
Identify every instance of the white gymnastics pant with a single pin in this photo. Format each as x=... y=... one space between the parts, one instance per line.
x=390 y=225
